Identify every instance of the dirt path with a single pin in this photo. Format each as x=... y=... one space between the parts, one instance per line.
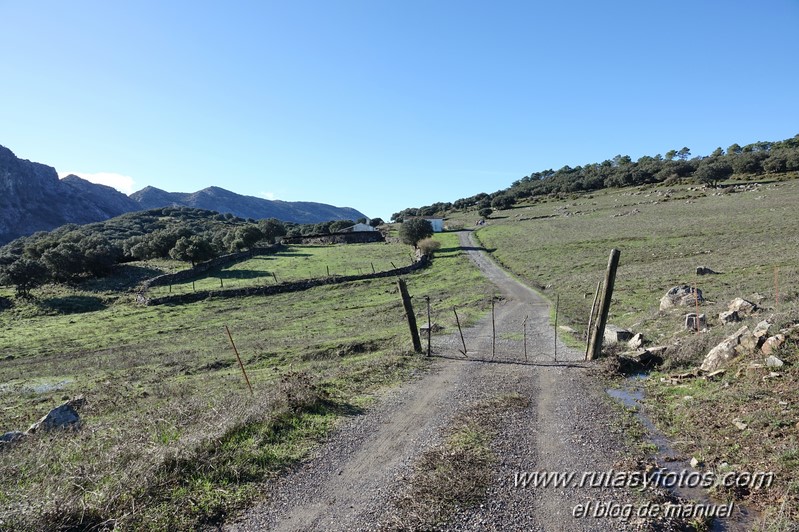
x=351 y=482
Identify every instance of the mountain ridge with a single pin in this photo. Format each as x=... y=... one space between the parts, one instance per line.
x=33 y=198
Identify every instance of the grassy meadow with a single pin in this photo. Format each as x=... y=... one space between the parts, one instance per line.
x=297 y=263
x=746 y=234
x=171 y=437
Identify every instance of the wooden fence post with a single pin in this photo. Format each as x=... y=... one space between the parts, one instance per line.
x=591 y=320
x=597 y=334
x=557 y=308
x=406 y=303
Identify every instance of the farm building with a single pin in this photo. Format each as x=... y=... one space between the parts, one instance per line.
x=437 y=223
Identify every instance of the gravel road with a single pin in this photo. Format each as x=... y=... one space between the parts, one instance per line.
x=351 y=481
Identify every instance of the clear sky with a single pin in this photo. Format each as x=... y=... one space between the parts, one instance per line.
x=382 y=105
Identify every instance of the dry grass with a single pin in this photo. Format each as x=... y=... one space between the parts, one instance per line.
x=457 y=473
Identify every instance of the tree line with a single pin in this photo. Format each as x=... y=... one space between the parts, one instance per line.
x=677 y=165
x=71 y=252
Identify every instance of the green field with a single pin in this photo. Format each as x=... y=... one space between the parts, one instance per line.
x=169 y=425
x=296 y=263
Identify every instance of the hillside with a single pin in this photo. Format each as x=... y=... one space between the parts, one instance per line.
x=32 y=198
x=224 y=201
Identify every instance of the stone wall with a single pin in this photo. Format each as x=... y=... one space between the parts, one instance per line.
x=355 y=237
x=277 y=288
x=189 y=274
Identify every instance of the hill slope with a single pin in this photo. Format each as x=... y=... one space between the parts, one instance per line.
x=224 y=201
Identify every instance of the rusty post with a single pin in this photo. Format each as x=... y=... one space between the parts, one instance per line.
x=493 y=331
x=429 y=325
x=524 y=332
x=458 y=322
x=241 y=364
x=557 y=307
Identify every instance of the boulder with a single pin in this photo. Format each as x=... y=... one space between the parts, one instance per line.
x=692 y=319
x=742 y=306
x=722 y=354
x=773 y=343
x=774 y=362
x=761 y=329
x=61 y=417
x=704 y=270
x=729 y=316
x=681 y=295
x=636 y=341
x=614 y=334
x=10 y=437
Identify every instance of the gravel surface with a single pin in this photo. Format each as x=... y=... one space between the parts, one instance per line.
x=351 y=482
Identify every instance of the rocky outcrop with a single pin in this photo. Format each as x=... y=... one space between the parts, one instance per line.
x=726 y=351
x=32 y=198
x=681 y=296
x=61 y=417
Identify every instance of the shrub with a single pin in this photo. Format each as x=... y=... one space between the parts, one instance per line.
x=485 y=213
x=428 y=246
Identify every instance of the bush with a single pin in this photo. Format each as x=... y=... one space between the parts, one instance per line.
x=428 y=246
x=485 y=213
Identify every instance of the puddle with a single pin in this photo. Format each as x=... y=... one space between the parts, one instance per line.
x=631 y=395
x=40 y=387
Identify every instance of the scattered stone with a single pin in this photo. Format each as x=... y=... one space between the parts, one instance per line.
x=740 y=425
x=434 y=328
x=681 y=295
x=704 y=270
x=772 y=375
x=774 y=362
x=61 y=417
x=773 y=343
x=723 y=353
x=713 y=374
x=695 y=462
x=648 y=359
x=692 y=319
x=11 y=437
x=636 y=341
x=761 y=329
x=742 y=306
x=729 y=316
x=749 y=343
x=614 y=334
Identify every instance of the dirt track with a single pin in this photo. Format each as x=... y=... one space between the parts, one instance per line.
x=568 y=426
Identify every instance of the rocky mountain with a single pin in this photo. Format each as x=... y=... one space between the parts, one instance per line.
x=32 y=198
x=224 y=201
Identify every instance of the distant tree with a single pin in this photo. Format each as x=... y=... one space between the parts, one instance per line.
x=64 y=262
x=245 y=237
x=272 y=229
x=485 y=213
x=361 y=220
x=416 y=229
x=375 y=222
x=24 y=274
x=502 y=201
x=339 y=225
x=192 y=249
x=713 y=172
x=684 y=153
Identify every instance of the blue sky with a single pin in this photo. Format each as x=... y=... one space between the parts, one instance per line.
x=383 y=105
